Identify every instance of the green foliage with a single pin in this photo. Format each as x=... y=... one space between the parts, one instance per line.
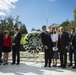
x=33 y=29
x=8 y=23
x=72 y=25
x=69 y=25
x=65 y=25
x=23 y=29
x=75 y=14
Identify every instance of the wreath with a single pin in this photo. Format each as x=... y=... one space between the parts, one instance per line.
x=33 y=42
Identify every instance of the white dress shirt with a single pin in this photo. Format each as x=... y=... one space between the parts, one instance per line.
x=15 y=34
x=54 y=37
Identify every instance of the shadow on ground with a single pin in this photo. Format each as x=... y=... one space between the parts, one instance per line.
x=29 y=68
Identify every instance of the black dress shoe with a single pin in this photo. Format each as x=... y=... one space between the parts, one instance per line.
x=45 y=65
x=54 y=65
x=1 y=61
x=49 y=66
x=74 y=67
x=17 y=63
x=64 y=67
x=12 y=63
x=70 y=65
x=4 y=64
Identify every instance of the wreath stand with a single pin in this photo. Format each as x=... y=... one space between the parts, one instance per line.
x=31 y=45
x=31 y=55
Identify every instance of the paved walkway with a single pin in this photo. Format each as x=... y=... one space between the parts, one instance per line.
x=32 y=68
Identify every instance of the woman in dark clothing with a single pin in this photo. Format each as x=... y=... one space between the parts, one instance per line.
x=6 y=46
x=54 y=37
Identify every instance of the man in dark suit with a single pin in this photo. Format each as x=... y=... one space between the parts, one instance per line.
x=1 y=43
x=16 y=46
x=74 y=49
x=47 y=44
x=63 y=42
x=71 y=51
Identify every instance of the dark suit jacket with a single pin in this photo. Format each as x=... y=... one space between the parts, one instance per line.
x=1 y=39
x=46 y=39
x=71 y=36
x=16 y=40
x=63 y=41
x=74 y=41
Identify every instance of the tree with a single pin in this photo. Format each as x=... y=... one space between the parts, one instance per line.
x=23 y=29
x=74 y=14
x=72 y=25
x=33 y=29
x=65 y=25
x=8 y=23
x=73 y=22
x=18 y=23
x=38 y=30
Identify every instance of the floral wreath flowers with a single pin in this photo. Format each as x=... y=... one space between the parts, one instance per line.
x=33 y=42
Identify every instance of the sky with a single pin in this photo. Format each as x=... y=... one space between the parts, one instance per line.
x=36 y=13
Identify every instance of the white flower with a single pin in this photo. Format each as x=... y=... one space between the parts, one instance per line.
x=33 y=40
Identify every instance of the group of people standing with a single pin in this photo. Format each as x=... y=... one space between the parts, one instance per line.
x=7 y=44
x=54 y=43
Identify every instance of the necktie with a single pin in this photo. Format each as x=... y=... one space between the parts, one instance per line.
x=60 y=36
